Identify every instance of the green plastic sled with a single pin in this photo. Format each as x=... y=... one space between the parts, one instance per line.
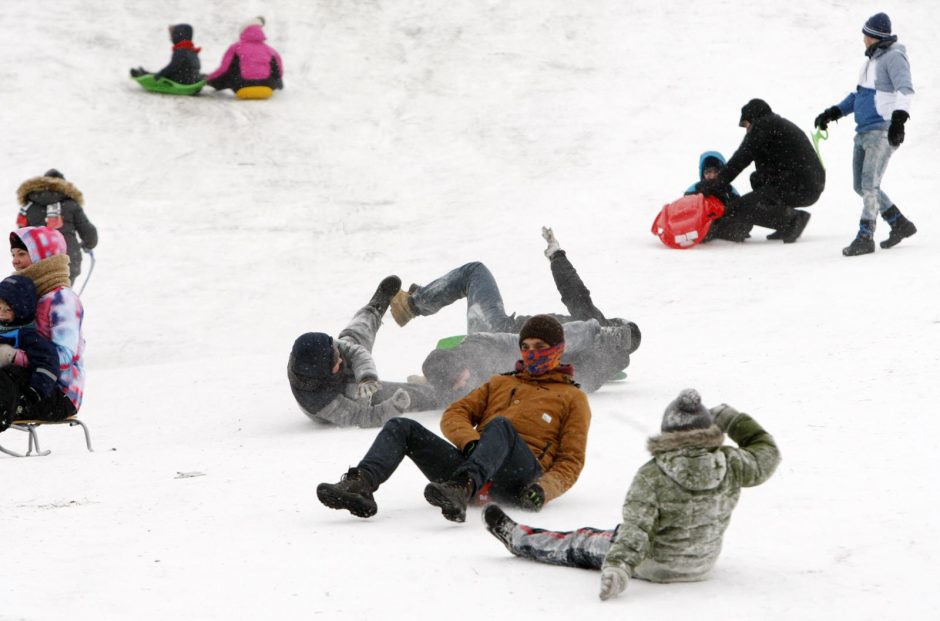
x=168 y=87
x=450 y=342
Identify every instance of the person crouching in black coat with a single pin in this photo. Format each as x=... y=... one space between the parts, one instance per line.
x=788 y=175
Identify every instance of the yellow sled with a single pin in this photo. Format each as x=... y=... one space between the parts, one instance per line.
x=254 y=92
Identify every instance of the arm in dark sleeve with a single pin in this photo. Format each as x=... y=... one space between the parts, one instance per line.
x=87 y=232
x=43 y=363
x=741 y=159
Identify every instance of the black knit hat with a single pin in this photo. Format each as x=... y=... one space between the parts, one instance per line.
x=543 y=327
x=753 y=110
x=686 y=412
x=52 y=172
x=878 y=26
x=313 y=355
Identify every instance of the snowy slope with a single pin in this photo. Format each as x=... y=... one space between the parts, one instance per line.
x=413 y=137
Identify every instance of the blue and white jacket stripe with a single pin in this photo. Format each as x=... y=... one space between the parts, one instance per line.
x=884 y=85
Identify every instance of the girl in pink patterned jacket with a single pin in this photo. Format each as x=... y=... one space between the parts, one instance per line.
x=40 y=254
x=250 y=62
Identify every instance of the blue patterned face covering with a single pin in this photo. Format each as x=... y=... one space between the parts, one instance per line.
x=541 y=361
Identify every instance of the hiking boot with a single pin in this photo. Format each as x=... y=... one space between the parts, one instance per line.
x=778 y=234
x=499 y=524
x=451 y=496
x=352 y=493
x=387 y=289
x=795 y=227
x=859 y=245
x=403 y=307
x=900 y=228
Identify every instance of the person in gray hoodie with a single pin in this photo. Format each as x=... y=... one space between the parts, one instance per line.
x=881 y=103
x=678 y=506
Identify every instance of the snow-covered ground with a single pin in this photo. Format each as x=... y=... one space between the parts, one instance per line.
x=413 y=137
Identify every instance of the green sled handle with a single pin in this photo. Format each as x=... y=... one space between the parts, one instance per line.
x=820 y=134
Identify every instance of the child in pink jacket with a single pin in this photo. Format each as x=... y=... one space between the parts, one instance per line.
x=250 y=62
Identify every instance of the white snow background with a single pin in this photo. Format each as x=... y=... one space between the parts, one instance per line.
x=414 y=136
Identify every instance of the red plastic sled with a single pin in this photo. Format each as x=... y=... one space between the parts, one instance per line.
x=685 y=222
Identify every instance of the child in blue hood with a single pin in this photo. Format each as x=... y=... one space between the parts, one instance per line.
x=29 y=364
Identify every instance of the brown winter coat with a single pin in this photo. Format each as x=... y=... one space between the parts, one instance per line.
x=549 y=412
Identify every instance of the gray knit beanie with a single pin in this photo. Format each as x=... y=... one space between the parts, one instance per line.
x=686 y=412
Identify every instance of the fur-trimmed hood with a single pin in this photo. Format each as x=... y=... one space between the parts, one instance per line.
x=690 y=458
x=48 y=184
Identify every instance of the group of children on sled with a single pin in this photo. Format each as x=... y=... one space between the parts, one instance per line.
x=247 y=64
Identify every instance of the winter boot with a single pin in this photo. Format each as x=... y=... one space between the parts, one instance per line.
x=901 y=227
x=863 y=242
x=352 y=493
x=403 y=307
x=622 y=338
x=451 y=496
x=387 y=289
x=795 y=227
x=499 y=524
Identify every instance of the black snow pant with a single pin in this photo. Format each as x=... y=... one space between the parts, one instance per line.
x=232 y=78
x=501 y=457
x=771 y=204
x=13 y=381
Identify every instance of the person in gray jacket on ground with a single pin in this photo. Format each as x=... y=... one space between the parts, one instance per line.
x=336 y=381
x=678 y=506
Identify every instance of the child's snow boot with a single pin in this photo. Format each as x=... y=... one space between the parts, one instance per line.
x=451 y=496
x=352 y=493
x=386 y=290
x=863 y=242
x=901 y=227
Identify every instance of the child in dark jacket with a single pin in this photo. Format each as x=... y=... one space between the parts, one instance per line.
x=52 y=201
x=29 y=364
x=184 y=64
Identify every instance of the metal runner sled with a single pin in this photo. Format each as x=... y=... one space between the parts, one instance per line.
x=29 y=426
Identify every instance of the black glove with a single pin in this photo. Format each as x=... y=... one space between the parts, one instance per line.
x=532 y=498
x=828 y=115
x=896 y=130
x=468 y=448
x=714 y=187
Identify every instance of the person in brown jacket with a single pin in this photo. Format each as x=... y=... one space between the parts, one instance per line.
x=520 y=438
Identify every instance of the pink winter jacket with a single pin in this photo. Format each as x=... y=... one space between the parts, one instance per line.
x=59 y=313
x=254 y=56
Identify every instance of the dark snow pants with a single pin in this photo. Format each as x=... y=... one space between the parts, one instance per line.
x=771 y=203
x=500 y=457
x=13 y=381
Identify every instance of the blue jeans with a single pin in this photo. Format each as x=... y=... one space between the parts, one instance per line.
x=869 y=162
x=501 y=457
x=485 y=310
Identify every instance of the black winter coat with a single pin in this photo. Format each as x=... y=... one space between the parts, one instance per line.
x=79 y=232
x=783 y=157
x=184 y=67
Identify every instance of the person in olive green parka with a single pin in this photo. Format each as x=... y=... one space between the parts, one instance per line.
x=677 y=508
